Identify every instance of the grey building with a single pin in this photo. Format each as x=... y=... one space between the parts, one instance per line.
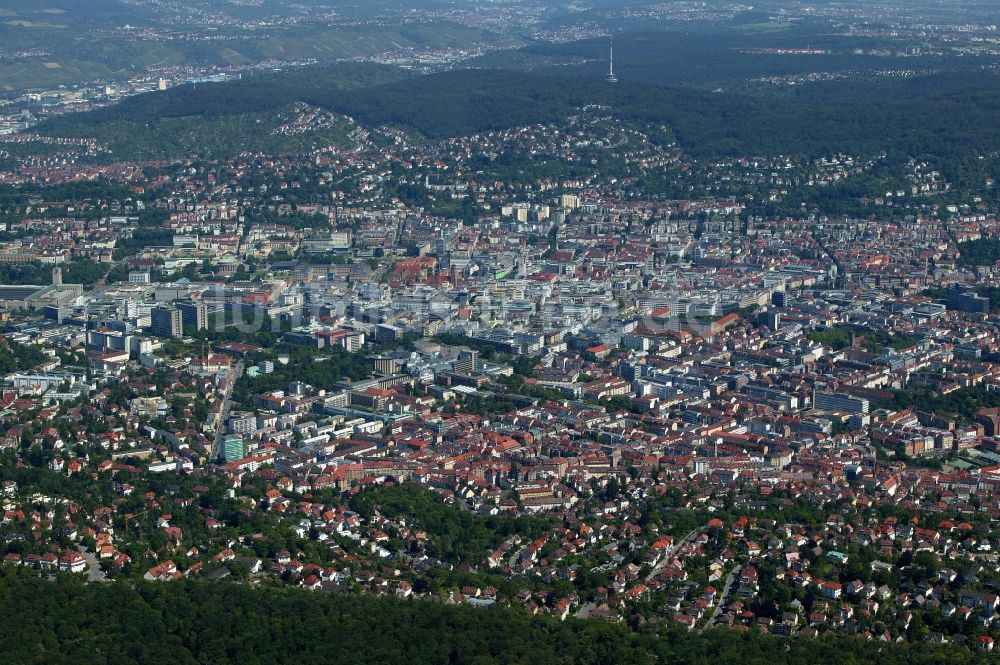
x=166 y=322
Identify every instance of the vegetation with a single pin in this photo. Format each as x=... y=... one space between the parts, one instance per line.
x=837 y=337
x=82 y=271
x=220 y=120
x=190 y=622
x=962 y=403
x=982 y=252
x=16 y=357
x=453 y=535
x=840 y=337
x=321 y=369
x=103 y=53
x=706 y=60
x=954 y=115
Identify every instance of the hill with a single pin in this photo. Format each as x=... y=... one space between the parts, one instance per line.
x=955 y=114
x=258 y=114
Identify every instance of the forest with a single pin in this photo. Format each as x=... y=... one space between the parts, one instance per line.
x=735 y=60
x=222 y=119
x=190 y=622
x=955 y=116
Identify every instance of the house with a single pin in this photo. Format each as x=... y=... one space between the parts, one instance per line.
x=72 y=562
x=831 y=590
x=163 y=572
x=978 y=599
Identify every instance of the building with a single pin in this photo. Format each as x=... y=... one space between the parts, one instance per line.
x=468 y=361
x=166 y=322
x=386 y=365
x=194 y=314
x=387 y=333
x=233 y=450
x=823 y=401
x=968 y=301
x=242 y=423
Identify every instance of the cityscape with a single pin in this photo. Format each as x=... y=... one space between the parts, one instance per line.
x=564 y=337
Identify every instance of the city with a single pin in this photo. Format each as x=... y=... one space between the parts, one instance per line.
x=589 y=363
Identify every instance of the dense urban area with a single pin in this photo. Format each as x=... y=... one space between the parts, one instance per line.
x=582 y=369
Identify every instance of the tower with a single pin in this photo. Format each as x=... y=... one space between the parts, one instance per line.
x=57 y=276
x=611 y=63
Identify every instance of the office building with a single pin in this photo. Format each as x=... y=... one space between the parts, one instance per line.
x=968 y=301
x=166 y=322
x=194 y=314
x=823 y=401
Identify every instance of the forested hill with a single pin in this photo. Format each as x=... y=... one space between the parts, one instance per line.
x=224 y=119
x=261 y=92
x=188 y=622
x=942 y=117
x=705 y=123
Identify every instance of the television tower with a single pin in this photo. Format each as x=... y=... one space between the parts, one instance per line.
x=611 y=63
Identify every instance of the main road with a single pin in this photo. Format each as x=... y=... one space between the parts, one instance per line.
x=220 y=430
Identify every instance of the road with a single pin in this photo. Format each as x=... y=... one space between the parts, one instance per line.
x=585 y=610
x=220 y=433
x=516 y=555
x=720 y=600
x=93 y=572
x=668 y=554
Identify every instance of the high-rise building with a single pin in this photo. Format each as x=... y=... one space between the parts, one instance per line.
x=468 y=361
x=967 y=301
x=166 y=322
x=233 y=449
x=194 y=314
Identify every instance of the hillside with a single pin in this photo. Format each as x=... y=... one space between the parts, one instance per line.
x=69 y=45
x=956 y=114
x=185 y=622
x=223 y=119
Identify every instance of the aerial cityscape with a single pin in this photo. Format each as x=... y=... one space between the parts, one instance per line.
x=501 y=331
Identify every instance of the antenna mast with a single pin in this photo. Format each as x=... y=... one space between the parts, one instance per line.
x=611 y=63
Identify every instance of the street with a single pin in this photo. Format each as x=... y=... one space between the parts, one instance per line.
x=720 y=600
x=93 y=572
x=668 y=554
x=220 y=431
